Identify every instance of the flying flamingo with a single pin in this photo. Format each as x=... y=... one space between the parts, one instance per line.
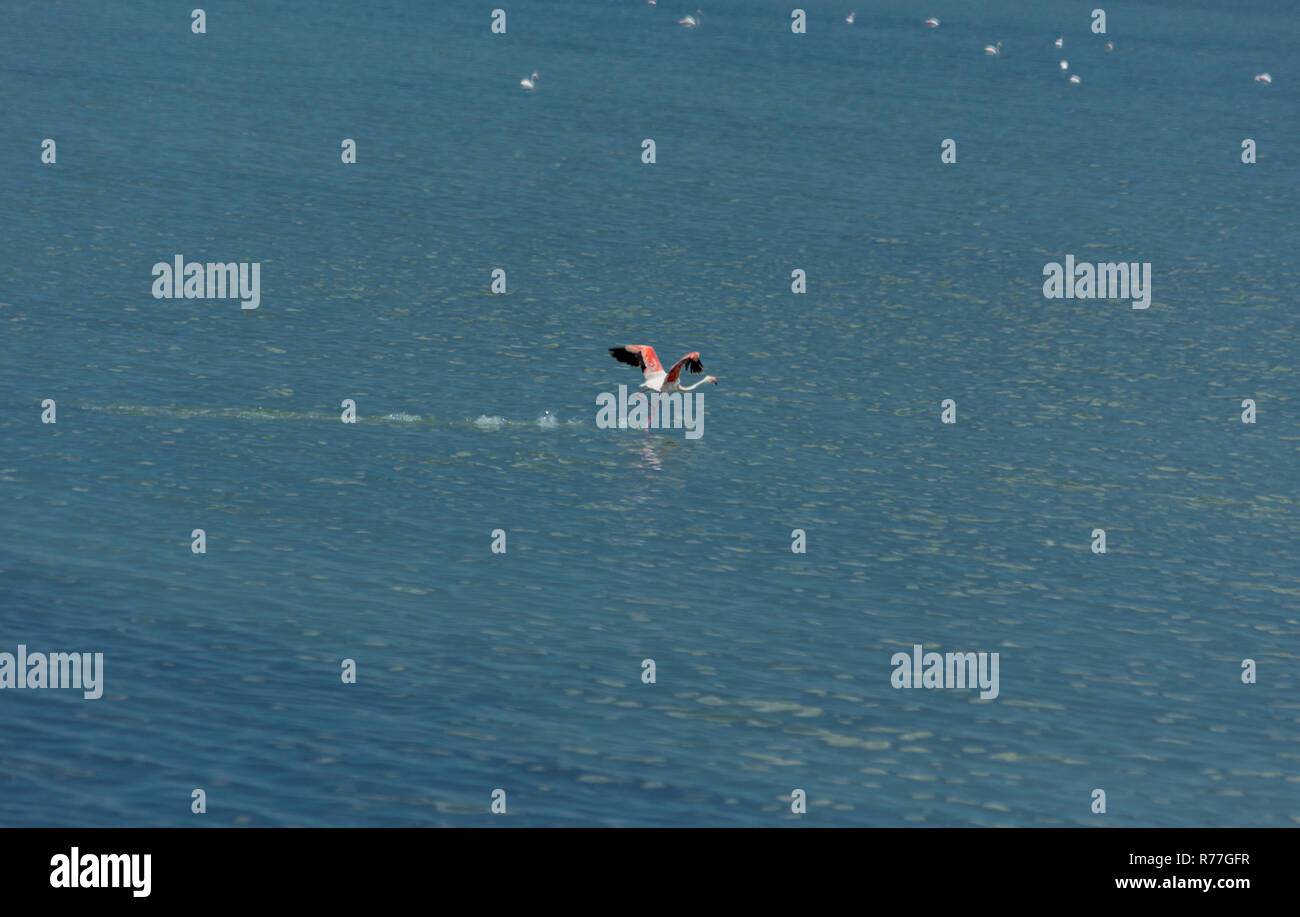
x=643 y=357
x=528 y=82
x=932 y=23
x=1263 y=78
x=851 y=17
x=691 y=22
x=995 y=50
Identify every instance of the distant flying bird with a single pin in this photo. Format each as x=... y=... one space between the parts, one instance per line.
x=529 y=82
x=993 y=49
x=1064 y=65
x=932 y=23
x=691 y=22
x=643 y=357
x=1075 y=79
x=1059 y=42
x=849 y=19
x=1263 y=78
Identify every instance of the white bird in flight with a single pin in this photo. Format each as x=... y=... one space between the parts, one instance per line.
x=691 y=22
x=529 y=82
x=932 y=23
x=995 y=50
x=1263 y=78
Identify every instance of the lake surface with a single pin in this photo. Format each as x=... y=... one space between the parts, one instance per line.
x=476 y=412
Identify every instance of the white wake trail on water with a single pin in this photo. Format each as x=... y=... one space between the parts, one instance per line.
x=488 y=422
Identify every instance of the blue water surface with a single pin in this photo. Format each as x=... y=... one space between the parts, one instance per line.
x=522 y=671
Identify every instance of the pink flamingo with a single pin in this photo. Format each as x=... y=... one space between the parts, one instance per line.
x=643 y=357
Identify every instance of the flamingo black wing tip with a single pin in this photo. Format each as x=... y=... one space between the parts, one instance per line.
x=623 y=355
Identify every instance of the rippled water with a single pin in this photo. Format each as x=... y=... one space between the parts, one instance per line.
x=477 y=412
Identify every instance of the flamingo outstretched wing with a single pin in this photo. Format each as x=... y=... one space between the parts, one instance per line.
x=644 y=357
x=692 y=363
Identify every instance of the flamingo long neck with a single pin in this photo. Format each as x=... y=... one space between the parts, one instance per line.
x=691 y=388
